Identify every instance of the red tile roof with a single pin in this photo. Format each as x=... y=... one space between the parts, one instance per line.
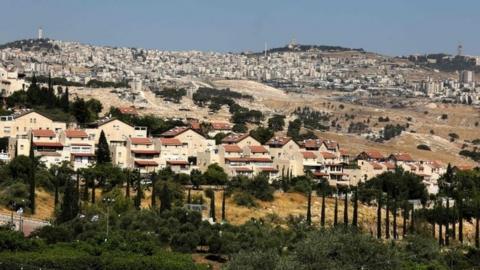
x=330 y=144
x=312 y=143
x=170 y=141
x=177 y=162
x=412 y=167
x=402 y=157
x=232 y=148
x=309 y=155
x=146 y=152
x=174 y=131
x=144 y=163
x=344 y=152
x=251 y=159
x=141 y=141
x=43 y=133
x=235 y=138
x=436 y=164
x=47 y=144
x=195 y=125
x=328 y=155
x=76 y=133
x=390 y=165
x=258 y=149
x=376 y=166
x=221 y=126
x=320 y=174
x=259 y=159
x=128 y=110
x=278 y=141
x=373 y=154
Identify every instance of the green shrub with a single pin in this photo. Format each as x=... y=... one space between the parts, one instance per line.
x=244 y=199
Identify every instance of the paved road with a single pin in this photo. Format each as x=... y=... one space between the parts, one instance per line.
x=29 y=225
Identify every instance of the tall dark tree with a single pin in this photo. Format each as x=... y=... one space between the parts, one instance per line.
x=405 y=213
x=153 y=180
x=103 y=151
x=394 y=213
x=65 y=101
x=69 y=208
x=165 y=197
x=448 y=219
x=335 y=211
x=379 y=215
x=31 y=177
x=209 y=193
x=139 y=195
x=322 y=212
x=323 y=188
x=224 y=214
x=189 y=196
x=345 y=208
x=309 y=208
x=387 y=217
x=355 y=208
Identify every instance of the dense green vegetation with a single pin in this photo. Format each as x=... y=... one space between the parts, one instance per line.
x=391 y=131
x=445 y=62
x=139 y=237
x=215 y=99
x=475 y=155
x=171 y=94
x=55 y=104
x=312 y=119
x=155 y=124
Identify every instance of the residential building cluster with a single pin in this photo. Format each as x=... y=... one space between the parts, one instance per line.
x=184 y=148
x=353 y=71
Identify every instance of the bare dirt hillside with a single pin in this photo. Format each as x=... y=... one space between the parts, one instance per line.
x=428 y=123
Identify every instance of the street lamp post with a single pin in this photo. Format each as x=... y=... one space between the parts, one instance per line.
x=108 y=201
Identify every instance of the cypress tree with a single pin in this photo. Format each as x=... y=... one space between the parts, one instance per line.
x=460 y=220
x=139 y=196
x=405 y=217
x=211 y=194
x=309 y=208
x=64 y=101
x=94 y=189
x=189 y=196
x=224 y=216
x=379 y=216
x=103 y=151
x=355 y=208
x=55 y=183
x=394 y=213
x=387 y=218
x=31 y=177
x=335 y=213
x=129 y=179
x=412 y=220
x=345 y=209
x=322 y=213
x=69 y=208
x=153 y=179
x=447 y=223
x=165 y=198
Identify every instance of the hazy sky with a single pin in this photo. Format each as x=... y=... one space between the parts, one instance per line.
x=386 y=26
